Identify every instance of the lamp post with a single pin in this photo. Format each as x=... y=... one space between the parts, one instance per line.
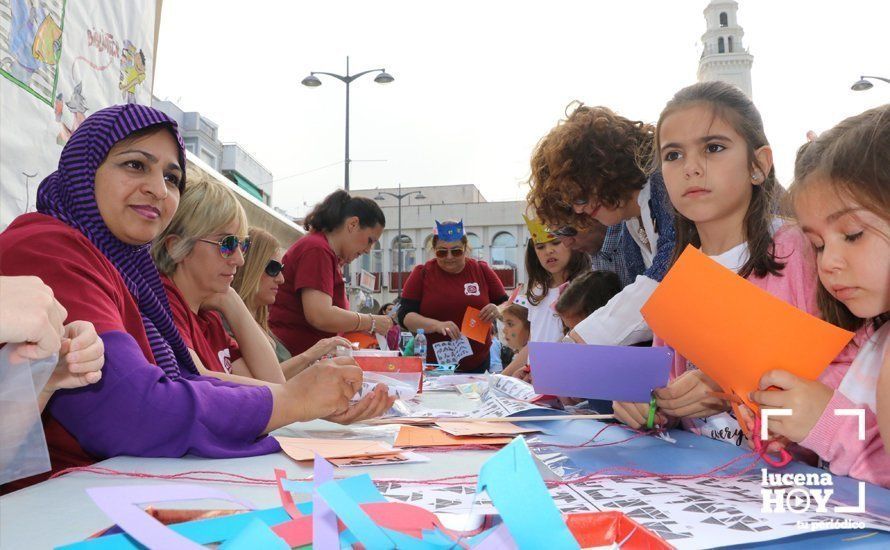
x=313 y=82
x=862 y=84
x=381 y=196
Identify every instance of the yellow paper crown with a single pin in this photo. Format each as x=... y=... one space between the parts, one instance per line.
x=540 y=234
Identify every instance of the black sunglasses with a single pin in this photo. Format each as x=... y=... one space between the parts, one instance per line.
x=273 y=268
x=565 y=231
x=229 y=243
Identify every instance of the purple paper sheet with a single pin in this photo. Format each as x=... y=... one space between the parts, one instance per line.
x=617 y=373
x=325 y=533
x=121 y=504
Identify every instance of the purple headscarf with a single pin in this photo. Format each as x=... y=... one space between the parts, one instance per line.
x=69 y=195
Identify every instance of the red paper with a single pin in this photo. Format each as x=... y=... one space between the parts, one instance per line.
x=473 y=327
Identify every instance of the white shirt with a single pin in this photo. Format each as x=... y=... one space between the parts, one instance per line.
x=619 y=322
x=546 y=326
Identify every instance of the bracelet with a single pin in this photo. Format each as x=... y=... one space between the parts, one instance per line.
x=373 y=323
x=358 y=321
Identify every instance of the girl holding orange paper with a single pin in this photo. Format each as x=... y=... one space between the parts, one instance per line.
x=717 y=165
x=841 y=195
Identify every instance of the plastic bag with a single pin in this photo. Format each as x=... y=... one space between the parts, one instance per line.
x=23 y=450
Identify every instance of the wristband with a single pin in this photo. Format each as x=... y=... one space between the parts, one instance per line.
x=373 y=323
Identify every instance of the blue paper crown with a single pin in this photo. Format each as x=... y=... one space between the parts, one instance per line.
x=450 y=231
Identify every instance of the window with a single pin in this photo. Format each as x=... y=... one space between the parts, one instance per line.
x=373 y=261
x=402 y=247
x=729 y=44
x=724 y=21
x=720 y=46
x=475 y=245
x=503 y=249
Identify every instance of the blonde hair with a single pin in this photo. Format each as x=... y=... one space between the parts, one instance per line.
x=205 y=208
x=263 y=246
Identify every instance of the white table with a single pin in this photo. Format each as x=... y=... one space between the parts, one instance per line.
x=59 y=511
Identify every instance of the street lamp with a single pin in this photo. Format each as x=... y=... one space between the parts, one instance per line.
x=862 y=84
x=312 y=81
x=399 y=196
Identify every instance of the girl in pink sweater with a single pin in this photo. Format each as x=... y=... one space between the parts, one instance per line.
x=841 y=195
x=717 y=166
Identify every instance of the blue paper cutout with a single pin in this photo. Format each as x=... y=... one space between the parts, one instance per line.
x=256 y=535
x=515 y=487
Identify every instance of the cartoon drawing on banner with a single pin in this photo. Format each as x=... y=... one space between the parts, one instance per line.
x=31 y=44
x=132 y=71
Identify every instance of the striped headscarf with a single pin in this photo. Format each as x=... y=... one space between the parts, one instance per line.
x=68 y=194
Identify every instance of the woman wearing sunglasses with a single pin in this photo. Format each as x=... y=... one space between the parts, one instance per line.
x=257 y=282
x=586 y=170
x=311 y=303
x=437 y=294
x=118 y=185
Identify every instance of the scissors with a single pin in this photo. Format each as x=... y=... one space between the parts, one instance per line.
x=760 y=446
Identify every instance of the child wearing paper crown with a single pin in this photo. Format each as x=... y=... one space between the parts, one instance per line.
x=841 y=195
x=717 y=164
x=549 y=264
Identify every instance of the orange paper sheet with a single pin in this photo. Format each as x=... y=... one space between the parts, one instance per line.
x=305 y=449
x=473 y=327
x=414 y=436
x=464 y=428
x=734 y=331
x=363 y=339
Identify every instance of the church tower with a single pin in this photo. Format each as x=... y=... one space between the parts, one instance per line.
x=723 y=56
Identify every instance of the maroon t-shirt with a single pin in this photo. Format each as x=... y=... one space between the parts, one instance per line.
x=203 y=333
x=445 y=296
x=309 y=263
x=90 y=288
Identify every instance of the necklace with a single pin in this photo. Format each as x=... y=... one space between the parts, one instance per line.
x=641 y=233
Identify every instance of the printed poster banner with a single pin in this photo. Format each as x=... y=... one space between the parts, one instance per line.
x=60 y=61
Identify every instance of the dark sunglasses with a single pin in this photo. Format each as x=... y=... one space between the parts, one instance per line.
x=273 y=268
x=228 y=244
x=455 y=252
x=565 y=231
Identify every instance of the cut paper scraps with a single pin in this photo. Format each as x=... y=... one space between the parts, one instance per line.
x=734 y=331
x=122 y=505
x=473 y=327
x=514 y=485
x=617 y=373
x=415 y=436
x=461 y=428
x=299 y=448
x=450 y=352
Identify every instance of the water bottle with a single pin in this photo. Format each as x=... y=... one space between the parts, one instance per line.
x=420 y=346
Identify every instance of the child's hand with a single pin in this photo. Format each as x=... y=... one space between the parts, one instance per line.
x=524 y=374
x=635 y=415
x=81 y=358
x=807 y=398
x=689 y=396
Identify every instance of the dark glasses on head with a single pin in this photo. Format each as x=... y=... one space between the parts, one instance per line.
x=565 y=231
x=229 y=243
x=273 y=268
x=455 y=252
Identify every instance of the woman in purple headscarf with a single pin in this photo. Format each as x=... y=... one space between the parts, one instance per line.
x=117 y=187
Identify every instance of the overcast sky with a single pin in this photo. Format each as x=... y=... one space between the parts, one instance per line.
x=479 y=83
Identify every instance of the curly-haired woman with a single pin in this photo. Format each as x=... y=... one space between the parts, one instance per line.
x=587 y=169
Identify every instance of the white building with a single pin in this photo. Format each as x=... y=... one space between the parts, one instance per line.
x=199 y=134
x=495 y=230
x=723 y=57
